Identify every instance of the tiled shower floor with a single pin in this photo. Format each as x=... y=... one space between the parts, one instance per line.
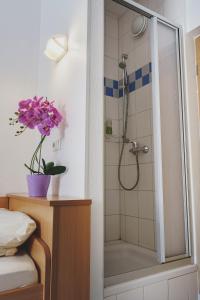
x=121 y=257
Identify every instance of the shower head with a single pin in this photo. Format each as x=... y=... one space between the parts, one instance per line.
x=122 y=63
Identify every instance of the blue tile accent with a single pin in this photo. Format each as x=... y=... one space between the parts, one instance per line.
x=115 y=84
x=137 y=79
x=145 y=80
x=131 y=87
x=121 y=93
x=109 y=91
x=138 y=74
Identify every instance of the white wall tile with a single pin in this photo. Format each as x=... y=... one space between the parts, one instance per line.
x=129 y=175
x=147 y=234
x=146 y=157
x=123 y=228
x=115 y=131
x=110 y=68
x=111 y=153
x=112 y=202
x=143 y=98
x=143 y=123
x=132 y=103
x=111 y=178
x=122 y=202
x=128 y=157
x=126 y=45
x=125 y=22
x=111 y=48
x=112 y=227
x=132 y=227
x=111 y=108
x=111 y=26
x=131 y=203
x=144 y=41
x=146 y=204
x=138 y=57
x=120 y=107
x=146 y=178
x=132 y=127
x=120 y=71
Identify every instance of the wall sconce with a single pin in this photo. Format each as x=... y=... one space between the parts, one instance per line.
x=56 y=47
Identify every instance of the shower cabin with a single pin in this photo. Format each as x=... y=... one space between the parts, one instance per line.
x=145 y=161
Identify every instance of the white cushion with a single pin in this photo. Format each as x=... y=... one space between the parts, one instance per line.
x=17 y=271
x=7 y=252
x=15 y=228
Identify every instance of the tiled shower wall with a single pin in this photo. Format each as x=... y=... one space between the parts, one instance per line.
x=112 y=190
x=129 y=215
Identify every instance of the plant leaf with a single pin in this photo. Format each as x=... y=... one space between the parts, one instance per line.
x=33 y=171
x=44 y=165
x=49 y=165
x=56 y=170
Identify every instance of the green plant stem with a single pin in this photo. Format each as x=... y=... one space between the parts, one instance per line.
x=40 y=154
x=35 y=154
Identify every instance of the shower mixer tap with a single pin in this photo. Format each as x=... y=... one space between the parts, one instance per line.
x=136 y=148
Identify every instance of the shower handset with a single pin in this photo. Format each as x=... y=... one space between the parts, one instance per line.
x=136 y=148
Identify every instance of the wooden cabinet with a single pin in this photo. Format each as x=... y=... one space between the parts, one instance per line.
x=64 y=224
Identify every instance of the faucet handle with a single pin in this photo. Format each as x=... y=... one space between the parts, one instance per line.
x=136 y=148
x=134 y=145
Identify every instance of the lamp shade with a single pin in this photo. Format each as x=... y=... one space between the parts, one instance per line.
x=138 y=26
x=56 y=47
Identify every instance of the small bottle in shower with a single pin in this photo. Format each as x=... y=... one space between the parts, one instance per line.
x=109 y=127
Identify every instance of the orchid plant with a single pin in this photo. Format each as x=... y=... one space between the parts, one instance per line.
x=40 y=114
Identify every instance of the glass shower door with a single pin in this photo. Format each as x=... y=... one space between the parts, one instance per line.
x=169 y=143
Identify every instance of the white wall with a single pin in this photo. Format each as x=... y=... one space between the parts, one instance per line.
x=173 y=10
x=19 y=32
x=193 y=14
x=25 y=72
x=65 y=82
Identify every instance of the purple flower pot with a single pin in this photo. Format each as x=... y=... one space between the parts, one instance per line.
x=38 y=185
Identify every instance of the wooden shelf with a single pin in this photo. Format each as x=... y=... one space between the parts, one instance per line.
x=52 y=200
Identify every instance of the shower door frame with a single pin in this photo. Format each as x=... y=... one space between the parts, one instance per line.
x=160 y=230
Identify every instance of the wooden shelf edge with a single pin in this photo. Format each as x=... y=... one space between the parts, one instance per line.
x=52 y=200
